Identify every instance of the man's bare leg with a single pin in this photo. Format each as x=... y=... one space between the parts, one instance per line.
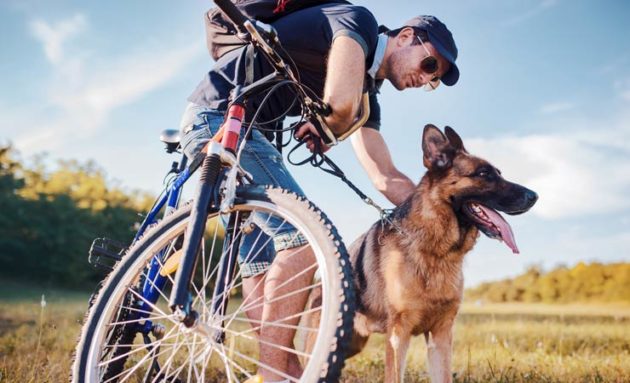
x=252 y=292
x=253 y=288
x=285 y=267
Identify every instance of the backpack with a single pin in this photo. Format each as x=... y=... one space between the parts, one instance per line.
x=221 y=33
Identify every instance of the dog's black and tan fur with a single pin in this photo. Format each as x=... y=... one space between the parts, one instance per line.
x=408 y=274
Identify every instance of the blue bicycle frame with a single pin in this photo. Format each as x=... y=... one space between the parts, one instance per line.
x=154 y=282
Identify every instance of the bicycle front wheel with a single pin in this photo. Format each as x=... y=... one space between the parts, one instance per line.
x=130 y=337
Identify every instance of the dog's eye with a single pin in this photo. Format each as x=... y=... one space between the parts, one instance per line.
x=486 y=174
x=482 y=173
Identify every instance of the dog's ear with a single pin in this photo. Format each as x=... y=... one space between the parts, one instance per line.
x=438 y=151
x=454 y=139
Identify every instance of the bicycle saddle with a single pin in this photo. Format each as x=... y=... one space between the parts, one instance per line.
x=171 y=138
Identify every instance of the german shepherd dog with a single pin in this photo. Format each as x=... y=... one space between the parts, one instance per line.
x=408 y=271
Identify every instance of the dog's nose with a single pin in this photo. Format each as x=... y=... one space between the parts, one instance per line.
x=531 y=197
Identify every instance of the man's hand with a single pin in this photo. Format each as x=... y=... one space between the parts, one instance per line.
x=307 y=132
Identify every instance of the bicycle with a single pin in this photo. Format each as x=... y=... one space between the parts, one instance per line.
x=185 y=302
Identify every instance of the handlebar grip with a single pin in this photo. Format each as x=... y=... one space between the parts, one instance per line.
x=232 y=12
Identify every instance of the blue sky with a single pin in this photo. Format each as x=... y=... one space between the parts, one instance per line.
x=544 y=95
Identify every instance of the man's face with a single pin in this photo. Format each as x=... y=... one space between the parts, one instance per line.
x=404 y=67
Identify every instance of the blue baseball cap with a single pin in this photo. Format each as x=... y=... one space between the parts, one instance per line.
x=442 y=40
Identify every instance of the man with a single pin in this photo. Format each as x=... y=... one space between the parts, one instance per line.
x=339 y=54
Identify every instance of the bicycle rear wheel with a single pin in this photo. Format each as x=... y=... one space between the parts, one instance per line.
x=113 y=348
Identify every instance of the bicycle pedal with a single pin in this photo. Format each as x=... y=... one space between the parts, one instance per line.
x=105 y=252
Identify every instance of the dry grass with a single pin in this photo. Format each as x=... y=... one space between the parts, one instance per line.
x=522 y=343
x=36 y=345
x=497 y=343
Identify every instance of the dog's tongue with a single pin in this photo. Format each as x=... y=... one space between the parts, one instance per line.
x=506 y=231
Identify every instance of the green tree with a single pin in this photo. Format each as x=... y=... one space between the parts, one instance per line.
x=593 y=282
x=49 y=218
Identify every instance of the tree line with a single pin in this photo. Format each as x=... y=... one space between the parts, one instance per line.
x=594 y=282
x=49 y=217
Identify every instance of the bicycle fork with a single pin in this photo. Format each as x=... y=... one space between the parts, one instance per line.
x=180 y=299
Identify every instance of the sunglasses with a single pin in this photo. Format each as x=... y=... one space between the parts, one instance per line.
x=429 y=65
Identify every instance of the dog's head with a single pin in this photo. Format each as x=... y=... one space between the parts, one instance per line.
x=474 y=188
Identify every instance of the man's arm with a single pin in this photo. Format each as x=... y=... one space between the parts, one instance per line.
x=344 y=82
x=343 y=87
x=373 y=154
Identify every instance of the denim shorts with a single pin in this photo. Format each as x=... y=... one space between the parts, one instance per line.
x=263 y=161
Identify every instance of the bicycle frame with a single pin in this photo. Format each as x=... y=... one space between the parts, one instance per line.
x=170 y=197
x=154 y=282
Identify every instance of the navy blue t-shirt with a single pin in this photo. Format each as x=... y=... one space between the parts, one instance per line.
x=307 y=36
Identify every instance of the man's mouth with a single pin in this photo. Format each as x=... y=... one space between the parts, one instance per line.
x=491 y=223
x=411 y=82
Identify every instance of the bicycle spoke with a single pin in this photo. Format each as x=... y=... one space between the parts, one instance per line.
x=154 y=307
x=283 y=348
x=264 y=301
x=191 y=365
x=229 y=360
x=137 y=366
x=168 y=362
x=267 y=367
x=140 y=320
x=154 y=286
x=236 y=277
x=277 y=324
x=270 y=237
x=142 y=347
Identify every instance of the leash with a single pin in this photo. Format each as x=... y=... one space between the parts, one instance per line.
x=318 y=159
x=384 y=214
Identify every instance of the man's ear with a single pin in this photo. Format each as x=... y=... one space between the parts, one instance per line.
x=437 y=151
x=405 y=36
x=454 y=139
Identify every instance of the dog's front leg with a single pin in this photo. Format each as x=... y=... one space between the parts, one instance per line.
x=395 y=353
x=439 y=345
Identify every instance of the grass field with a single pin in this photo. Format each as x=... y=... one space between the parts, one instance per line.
x=493 y=343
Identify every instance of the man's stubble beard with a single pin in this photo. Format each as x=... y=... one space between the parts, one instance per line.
x=395 y=68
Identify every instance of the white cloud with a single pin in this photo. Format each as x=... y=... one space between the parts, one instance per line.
x=86 y=88
x=128 y=78
x=556 y=107
x=53 y=37
x=582 y=173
